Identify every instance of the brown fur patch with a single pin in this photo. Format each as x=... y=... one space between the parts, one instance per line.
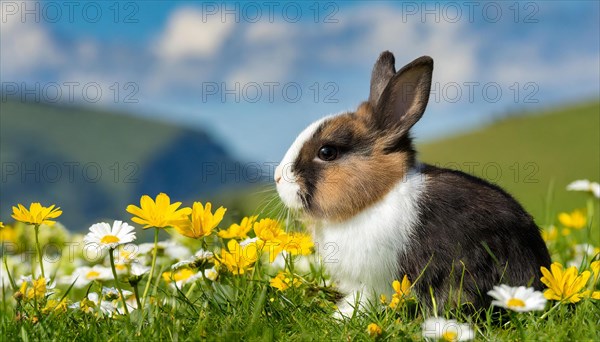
x=348 y=188
x=363 y=173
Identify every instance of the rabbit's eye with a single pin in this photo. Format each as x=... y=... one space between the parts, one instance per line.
x=327 y=153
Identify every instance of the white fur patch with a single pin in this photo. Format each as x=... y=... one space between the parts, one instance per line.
x=361 y=254
x=287 y=186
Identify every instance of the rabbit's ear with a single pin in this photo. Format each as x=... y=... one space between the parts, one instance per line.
x=382 y=73
x=405 y=97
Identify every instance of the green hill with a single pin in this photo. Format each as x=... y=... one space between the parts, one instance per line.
x=530 y=156
x=93 y=163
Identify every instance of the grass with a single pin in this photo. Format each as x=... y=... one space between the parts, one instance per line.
x=247 y=307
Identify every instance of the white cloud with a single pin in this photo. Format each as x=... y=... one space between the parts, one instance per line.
x=568 y=71
x=269 y=53
x=87 y=51
x=189 y=35
x=26 y=46
x=264 y=32
x=380 y=28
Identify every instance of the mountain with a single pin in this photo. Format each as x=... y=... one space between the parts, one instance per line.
x=93 y=163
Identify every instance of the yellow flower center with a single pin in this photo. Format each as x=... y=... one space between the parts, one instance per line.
x=92 y=274
x=183 y=274
x=515 y=303
x=107 y=239
x=449 y=336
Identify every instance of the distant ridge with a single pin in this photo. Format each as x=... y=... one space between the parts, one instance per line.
x=94 y=163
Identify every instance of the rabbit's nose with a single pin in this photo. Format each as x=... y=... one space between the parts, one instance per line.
x=277 y=175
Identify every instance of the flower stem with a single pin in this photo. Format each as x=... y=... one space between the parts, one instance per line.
x=39 y=249
x=151 y=275
x=136 y=292
x=114 y=272
x=551 y=309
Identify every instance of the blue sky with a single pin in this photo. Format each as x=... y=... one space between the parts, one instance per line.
x=175 y=59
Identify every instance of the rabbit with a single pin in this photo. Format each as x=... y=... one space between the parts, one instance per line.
x=376 y=213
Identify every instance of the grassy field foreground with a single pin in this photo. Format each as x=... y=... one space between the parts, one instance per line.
x=257 y=279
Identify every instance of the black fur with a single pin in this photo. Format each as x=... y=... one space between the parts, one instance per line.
x=472 y=235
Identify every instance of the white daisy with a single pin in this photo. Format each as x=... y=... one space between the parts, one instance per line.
x=146 y=247
x=181 y=277
x=169 y=248
x=197 y=259
x=126 y=254
x=175 y=251
x=137 y=270
x=446 y=329
x=585 y=185
x=107 y=307
x=104 y=236
x=581 y=252
x=111 y=293
x=211 y=274
x=85 y=275
x=520 y=299
x=131 y=305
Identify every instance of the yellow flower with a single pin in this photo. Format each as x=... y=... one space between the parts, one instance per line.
x=402 y=290
x=8 y=234
x=202 y=221
x=1 y=224
x=564 y=285
x=238 y=259
x=550 y=234
x=181 y=276
x=37 y=214
x=160 y=213
x=268 y=229
x=595 y=266
x=297 y=243
x=87 y=305
x=36 y=290
x=374 y=330
x=238 y=231
x=282 y=281
x=55 y=305
x=575 y=219
x=596 y=295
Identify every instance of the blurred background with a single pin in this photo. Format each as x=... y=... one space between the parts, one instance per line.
x=104 y=101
